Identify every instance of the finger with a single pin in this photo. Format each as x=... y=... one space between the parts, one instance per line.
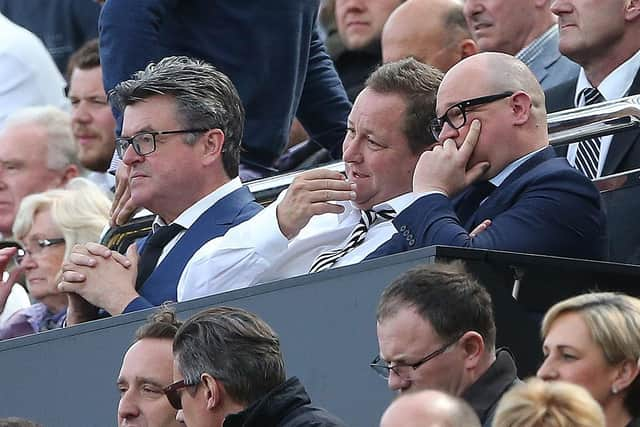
x=331 y=196
x=316 y=174
x=127 y=211
x=79 y=260
x=325 y=184
x=6 y=255
x=73 y=276
x=476 y=172
x=123 y=260
x=68 y=286
x=470 y=140
x=480 y=228
x=322 y=208
x=97 y=250
x=133 y=256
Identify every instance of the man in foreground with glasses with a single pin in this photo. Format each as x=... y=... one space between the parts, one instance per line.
x=436 y=331
x=228 y=369
x=146 y=371
x=494 y=167
x=183 y=123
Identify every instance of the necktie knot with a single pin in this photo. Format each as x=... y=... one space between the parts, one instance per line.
x=368 y=219
x=153 y=249
x=591 y=96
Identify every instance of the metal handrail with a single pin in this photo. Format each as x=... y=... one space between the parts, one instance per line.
x=594 y=120
x=565 y=127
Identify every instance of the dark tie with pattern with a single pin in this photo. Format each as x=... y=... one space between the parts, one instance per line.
x=588 y=152
x=368 y=219
x=152 y=250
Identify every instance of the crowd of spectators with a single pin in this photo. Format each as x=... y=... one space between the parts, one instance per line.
x=438 y=109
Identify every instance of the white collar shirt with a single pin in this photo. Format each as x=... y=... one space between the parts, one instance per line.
x=615 y=85
x=256 y=251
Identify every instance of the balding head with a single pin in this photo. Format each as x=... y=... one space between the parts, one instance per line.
x=429 y=408
x=432 y=31
x=513 y=125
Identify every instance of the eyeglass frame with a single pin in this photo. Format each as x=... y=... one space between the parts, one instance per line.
x=22 y=252
x=172 y=393
x=437 y=123
x=379 y=369
x=129 y=141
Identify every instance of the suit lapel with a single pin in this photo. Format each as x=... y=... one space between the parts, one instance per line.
x=622 y=142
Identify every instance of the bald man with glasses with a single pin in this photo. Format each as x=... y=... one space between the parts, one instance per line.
x=493 y=182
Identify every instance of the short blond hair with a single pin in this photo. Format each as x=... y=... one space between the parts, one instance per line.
x=80 y=210
x=537 y=403
x=613 y=320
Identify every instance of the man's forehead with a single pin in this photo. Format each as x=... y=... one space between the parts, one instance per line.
x=22 y=142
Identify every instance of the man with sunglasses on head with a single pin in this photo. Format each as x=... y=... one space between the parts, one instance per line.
x=183 y=122
x=493 y=181
x=146 y=371
x=436 y=331
x=229 y=371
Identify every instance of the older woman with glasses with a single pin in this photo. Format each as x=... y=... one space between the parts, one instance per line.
x=48 y=225
x=593 y=340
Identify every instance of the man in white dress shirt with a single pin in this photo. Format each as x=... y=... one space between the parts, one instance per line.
x=386 y=133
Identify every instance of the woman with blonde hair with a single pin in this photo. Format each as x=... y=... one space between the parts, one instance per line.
x=593 y=340
x=536 y=403
x=48 y=225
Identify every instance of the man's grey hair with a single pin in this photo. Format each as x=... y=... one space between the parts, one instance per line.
x=62 y=150
x=205 y=99
x=235 y=347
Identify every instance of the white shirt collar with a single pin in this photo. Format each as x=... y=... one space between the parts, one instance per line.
x=615 y=85
x=192 y=213
x=504 y=173
x=398 y=204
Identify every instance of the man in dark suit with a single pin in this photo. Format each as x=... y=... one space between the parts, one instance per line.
x=505 y=173
x=182 y=128
x=604 y=39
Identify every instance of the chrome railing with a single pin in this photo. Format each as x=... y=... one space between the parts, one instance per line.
x=565 y=127
x=594 y=120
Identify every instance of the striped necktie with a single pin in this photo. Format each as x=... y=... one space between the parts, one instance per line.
x=368 y=219
x=588 y=152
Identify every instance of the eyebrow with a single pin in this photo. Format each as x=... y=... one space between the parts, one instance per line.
x=141 y=380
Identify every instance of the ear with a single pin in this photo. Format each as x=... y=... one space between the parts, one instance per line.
x=70 y=172
x=467 y=47
x=632 y=10
x=213 y=393
x=627 y=373
x=472 y=344
x=213 y=144
x=521 y=107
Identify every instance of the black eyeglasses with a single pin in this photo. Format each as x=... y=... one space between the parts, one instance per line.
x=174 y=396
x=40 y=245
x=456 y=115
x=403 y=370
x=144 y=143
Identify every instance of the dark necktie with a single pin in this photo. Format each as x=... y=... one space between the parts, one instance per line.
x=152 y=250
x=481 y=190
x=588 y=152
x=368 y=219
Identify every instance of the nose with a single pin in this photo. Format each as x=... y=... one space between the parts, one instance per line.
x=80 y=113
x=395 y=382
x=128 y=407
x=546 y=371
x=472 y=7
x=351 y=150
x=559 y=7
x=28 y=262
x=447 y=132
x=130 y=156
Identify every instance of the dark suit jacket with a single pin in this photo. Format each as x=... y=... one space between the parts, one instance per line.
x=545 y=207
x=624 y=152
x=227 y=212
x=271 y=50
